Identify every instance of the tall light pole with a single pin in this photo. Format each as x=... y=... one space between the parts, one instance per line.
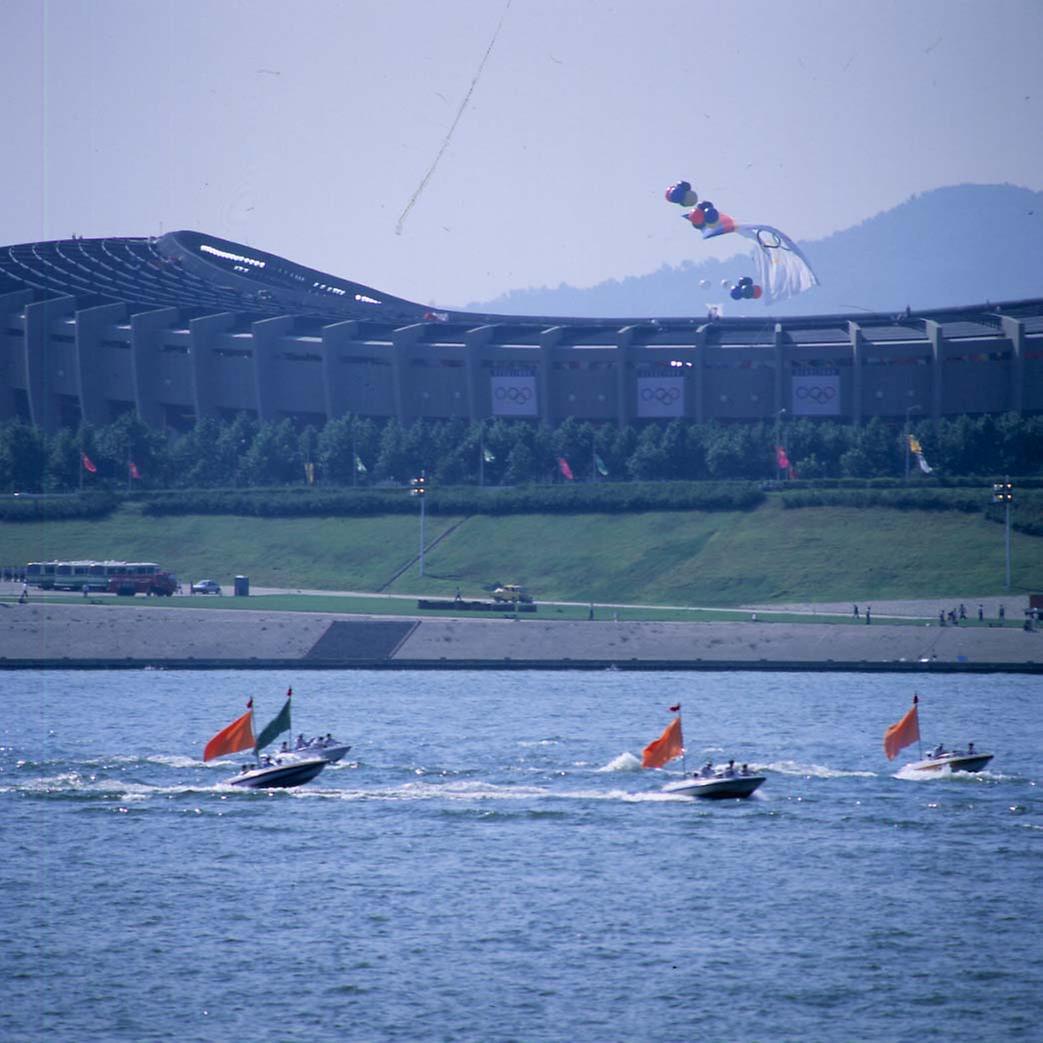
x=418 y=488
x=1003 y=492
x=908 y=410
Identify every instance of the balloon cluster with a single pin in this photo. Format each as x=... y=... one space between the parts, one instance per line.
x=705 y=214
x=681 y=193
x=745 y=288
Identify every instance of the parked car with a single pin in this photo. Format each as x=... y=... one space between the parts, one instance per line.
x=206 y=586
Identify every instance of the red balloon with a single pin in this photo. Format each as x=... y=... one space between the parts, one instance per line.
x=757 y=291
x=698 y=218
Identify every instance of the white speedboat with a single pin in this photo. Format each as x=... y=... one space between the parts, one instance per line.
x=953 y=760
x=329 y=749
x=718 y=786
x=279 y=773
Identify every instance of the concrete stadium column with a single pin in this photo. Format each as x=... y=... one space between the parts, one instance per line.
x=37 y=344
x=937 y=339
x=474 y=341
x=11 y=304
x=781 y=383
x=549 y=338
x=146 y=346
x=624 y=400
x=91 y=326
x=698 y=380
x=1015 y=331
x=204 y=332
x=336 y=335
x=401 y=340
x=857 y=355
x=267 y=334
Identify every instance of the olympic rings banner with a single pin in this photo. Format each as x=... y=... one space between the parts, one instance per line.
x=660 y=396
x=816 y=394
x=513 y=396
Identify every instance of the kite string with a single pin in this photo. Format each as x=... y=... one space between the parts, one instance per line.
x=459 y=114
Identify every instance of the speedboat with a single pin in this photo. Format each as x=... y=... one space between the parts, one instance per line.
x=328 y=749
x=718 y=786
x=280 y=773
x=954 y=760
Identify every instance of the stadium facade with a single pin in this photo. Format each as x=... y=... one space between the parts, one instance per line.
x=190 y=325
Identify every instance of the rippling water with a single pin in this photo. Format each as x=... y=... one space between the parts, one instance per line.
x=490 y=862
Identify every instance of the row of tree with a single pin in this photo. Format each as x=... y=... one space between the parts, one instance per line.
x=358 y=451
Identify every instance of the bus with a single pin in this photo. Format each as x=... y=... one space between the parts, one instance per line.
x=109 y=577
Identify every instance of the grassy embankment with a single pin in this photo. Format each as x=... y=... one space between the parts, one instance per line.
x=682 y=558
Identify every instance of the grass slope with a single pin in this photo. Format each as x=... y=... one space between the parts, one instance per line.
x=679 y=558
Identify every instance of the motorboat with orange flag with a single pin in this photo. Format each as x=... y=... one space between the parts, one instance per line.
x=906 y=731
x=711 y=783
x=269 y=773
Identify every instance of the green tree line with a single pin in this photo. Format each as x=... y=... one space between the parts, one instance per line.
x=356 y=451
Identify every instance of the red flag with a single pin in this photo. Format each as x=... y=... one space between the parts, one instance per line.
x=563 y=466
x=239 y=735
x=668 y=746
x=134 y=472
x=902 y=733
x=781 y=458
x=675 y=709
x=88 y=464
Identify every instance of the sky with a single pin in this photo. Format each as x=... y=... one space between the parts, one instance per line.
x=308 y=129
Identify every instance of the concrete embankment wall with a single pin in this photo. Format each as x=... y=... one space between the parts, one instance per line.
x=42 y=635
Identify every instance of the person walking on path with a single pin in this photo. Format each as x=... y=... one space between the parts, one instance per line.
x=855 y=612
x=869 y=614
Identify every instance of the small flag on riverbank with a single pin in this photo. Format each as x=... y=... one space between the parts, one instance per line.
x=88 y=464
x=600 y=465
x=563 y=466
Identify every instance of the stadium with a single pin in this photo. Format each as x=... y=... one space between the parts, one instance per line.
x=188 y=325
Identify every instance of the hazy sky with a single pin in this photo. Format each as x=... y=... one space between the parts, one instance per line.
x=305 y=128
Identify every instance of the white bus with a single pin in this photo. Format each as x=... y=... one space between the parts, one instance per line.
x=112 y=577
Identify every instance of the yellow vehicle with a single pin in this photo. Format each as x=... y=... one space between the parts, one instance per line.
x=510 y=593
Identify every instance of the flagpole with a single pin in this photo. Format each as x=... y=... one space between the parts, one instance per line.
x=684 y=759
x=919 y=738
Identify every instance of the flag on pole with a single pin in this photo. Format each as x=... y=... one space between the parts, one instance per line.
x=781 y=458
x=600 y=465
x=239 y=735
x=488 y=455
x=360 y=467
x=309 y=472
x=914 y=444
x=88 y=464
x=664 y=749
x=133 y=469
x=279 y=723
x=563 y=466
x=902 y=733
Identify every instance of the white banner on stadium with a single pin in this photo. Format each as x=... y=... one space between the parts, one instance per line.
x=514 y=396
x=660 y=396
x=816 y=394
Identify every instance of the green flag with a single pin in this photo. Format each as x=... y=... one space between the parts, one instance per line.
x=280 y=724
x=600 y=465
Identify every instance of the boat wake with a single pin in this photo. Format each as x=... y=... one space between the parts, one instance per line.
x=814 y=771
x=624 y=762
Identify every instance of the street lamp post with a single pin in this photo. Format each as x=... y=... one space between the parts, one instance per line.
x=1003 y=492
x=418 y=488
x=908 y=410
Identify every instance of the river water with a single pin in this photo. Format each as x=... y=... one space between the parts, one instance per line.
x=490 y=862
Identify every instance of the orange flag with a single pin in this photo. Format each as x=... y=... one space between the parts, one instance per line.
x=239 y=735
x=900 y=735
x=668 y=746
